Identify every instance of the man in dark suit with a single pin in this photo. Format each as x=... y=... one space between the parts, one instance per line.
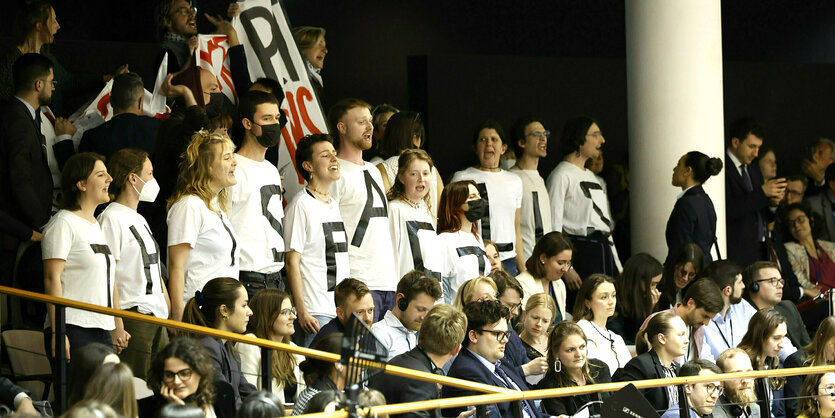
x=480 y=361
x=747 y=198
x=15 y=398
x=128 y=128
x=821 y=204
x=439 y=340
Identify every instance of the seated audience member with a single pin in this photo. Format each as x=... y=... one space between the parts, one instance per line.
x=371 y=398
x=812 y=260
x=439 y=340
x=315 y=261
x=222 y=305
x=91 y=409
x=255 y=204
x=112 y=384
x=477 y=289
x=175 y=410
x=820 y=159
x=128 y=128
x=529 y=140
x=726 y=329
x=816 y=396
x=701 y=397
x=460 y=207
x=820 y=203
x=362 y=203
x=350 y=296
x=739 y=398
x=500 y=221
x=571 y=367
x=311 y=43
x=397 y=331
x=763 y=342
x=480 y=360
x=138 y=265
x=202 y=243
x=262 y=404
x=84 y=365
x=595 y=304
x=182 y=373
x=795 y=189
x=510 y=292
x=325 y=401
x=15 y=398
x=380 y=116
x=78 y=264
x=820 y=352
x=637 y=289
x=539 y=315
x=412 y=216
x=702 y=301
x=404 y=131
x=679 y=271
x=493 y=255
x=321 y=375
x=764 y=290
x=550 y=260
x=272 y=319
x=664 y=339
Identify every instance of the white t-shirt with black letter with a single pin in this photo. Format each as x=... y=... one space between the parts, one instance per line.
x=415 y=240
x=464 y=259
x=535 y=216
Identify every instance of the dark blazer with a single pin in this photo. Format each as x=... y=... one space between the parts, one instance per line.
x=223 y=405
x=228 y=368
x=467 y=366
x=8 y=391
x=821 y=205
x=693 y=219
x=569 y=405
x=796 y=328
x=741 y=210
x=792 y=387
x=124 y=130
x=26 y=179
x=398 y=389
x=646 y=366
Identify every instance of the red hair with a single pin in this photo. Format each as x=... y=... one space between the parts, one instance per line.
x=449 y=208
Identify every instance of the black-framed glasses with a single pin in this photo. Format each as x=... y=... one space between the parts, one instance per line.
x=500 y=335
x=714 y=389
x=774 y=281
x=184 y=375
x=541 y=134
x=289 y=312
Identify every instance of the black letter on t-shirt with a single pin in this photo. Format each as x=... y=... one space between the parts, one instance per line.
x=105 y=250
x=147 y=259
x=537 y=217
x=331 y=248
x=485 y=220
x=414 y=243
x=267 y=192
x=587 y=187
x=476 y=251
x=369 y=211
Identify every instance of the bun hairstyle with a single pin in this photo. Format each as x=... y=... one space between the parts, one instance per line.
x=703 y=166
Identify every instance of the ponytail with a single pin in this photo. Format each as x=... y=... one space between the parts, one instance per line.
x=647 y=337
x=203 y=308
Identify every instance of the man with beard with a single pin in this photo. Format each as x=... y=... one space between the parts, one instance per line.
x=739 y=399
x=726 y=329
x=362 y=203
x=701 y=397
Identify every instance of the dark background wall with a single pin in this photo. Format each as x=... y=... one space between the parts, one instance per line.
x=502 y=59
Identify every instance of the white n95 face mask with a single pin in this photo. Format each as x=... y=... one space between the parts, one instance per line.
x=149 y=192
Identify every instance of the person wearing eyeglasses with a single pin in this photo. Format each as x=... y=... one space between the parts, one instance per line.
x=812 y=260
x=764 y=286
x=820 y=352
x=481 y=359
x=680 y=270
x=529 y=139
x=739 y=399
x=272 y=319
x=817 y=396
x=701 y=397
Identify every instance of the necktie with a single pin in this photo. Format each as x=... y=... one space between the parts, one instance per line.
x=745 y=177
x=528 y=409
x=749 y=187
x=41 y=139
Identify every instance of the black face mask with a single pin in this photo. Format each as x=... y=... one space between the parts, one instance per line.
x=215 y=105
x=477 y=210
x=270 y=135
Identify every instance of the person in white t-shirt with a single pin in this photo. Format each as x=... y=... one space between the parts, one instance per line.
x=138 y=273
x=256 y=210
x=78 y=264
x=405 y=131
x=529 y=139
x=362 y=203
x=412 y=226
x=202 y=244
x=464 y=256
x=579 y=205
x=502 y=195
x=381 y=115
x=317 y=245
x=596 y=302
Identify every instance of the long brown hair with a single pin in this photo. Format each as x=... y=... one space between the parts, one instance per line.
x=559 y=334
x=449 y=208
x=816 y=350
x=112 y=384
x=760 y=328
x=587 y=289
x=195 y=176
x=808 y=403
x=202 y=309
x=266 y=307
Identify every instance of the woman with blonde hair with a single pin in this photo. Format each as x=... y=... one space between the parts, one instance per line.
x=478 y=289
x=311 y=42
x=272 y=319
x=820 y=352
x=201 y=242
x=112 y=384
x=536 y=324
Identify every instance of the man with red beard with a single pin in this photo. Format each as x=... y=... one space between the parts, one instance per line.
x=739 y=399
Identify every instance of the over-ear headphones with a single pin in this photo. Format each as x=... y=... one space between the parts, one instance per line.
x=737 y=411
x=755 y=287
x=402 y=303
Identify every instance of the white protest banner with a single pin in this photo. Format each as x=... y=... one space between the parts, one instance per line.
x=271 y=52
x=212 y=55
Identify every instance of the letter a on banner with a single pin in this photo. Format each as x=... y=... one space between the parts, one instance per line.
x=266 y=35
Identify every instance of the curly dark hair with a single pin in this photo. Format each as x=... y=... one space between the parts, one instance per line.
x=192 y=353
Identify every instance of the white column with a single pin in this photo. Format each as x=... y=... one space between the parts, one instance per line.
x=674 y=98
